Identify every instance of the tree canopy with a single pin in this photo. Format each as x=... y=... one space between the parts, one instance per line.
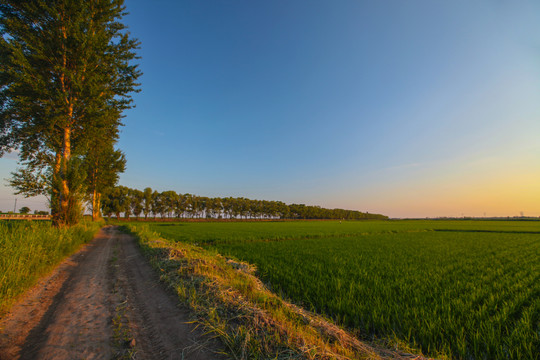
x=24 y=210
x=169 y=204
x=67 y=74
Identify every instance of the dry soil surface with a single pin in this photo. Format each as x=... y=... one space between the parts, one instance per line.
x=103 y=302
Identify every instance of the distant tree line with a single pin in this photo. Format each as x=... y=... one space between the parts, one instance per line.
x=128 y=202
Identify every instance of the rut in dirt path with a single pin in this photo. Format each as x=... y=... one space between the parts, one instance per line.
x=103 y=302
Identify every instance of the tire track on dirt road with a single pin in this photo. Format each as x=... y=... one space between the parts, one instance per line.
x=103 y=302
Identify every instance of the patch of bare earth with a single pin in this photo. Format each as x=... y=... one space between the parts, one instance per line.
x=103 y=302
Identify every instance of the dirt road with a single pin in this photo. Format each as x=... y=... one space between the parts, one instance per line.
x=104 y=302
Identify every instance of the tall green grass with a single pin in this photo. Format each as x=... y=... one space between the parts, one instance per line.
x=211 y=233
x=453 y=289
x=231 y=304
x=30 y=249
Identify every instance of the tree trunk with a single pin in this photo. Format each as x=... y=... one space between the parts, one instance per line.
x=55 y=193
x=64 y=184
x=64 y=155
x=96 y=205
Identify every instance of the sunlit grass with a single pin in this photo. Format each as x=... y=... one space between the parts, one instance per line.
x=232 y=304
x=208 y=233
x=30 y=249
x=471 y=292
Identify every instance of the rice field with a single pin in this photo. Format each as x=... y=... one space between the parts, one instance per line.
x=451 y=289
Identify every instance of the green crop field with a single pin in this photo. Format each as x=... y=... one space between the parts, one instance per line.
x=456 y=289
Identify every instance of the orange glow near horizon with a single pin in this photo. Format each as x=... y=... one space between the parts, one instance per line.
x=488 y=188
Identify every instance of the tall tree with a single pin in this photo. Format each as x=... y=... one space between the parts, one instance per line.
x=103 y=166
x=136 y=202
x=117 y=201
x=158 y=206
x=169 y=200
x=67 y=74
x=180 y=206
x=147 y=207
x=24 y=210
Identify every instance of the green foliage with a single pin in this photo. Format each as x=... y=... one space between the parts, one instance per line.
x=24 y=210
x=75 y=176
x=116 y=201
x=136 y=199
x=147 y=207
x=67 y=75
x=170 y=204
x=457 y=289
x=233 y=232
x=103 y=164
x=231 y=304
x=31 y=181
x=29 y=249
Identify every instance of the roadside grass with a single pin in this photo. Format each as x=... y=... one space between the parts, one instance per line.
x=31 y=249
x=232 y=303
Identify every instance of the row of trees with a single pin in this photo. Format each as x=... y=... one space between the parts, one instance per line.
x=169 y=204
x=66 y=76
x=26 y=210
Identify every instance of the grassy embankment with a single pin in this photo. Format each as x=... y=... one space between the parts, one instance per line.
x=452 y=289
x=233 y=304
x=31 y=249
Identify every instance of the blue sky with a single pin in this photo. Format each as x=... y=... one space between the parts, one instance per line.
x=407 y=108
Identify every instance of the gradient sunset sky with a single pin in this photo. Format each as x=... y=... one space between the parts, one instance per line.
x=405 y=108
